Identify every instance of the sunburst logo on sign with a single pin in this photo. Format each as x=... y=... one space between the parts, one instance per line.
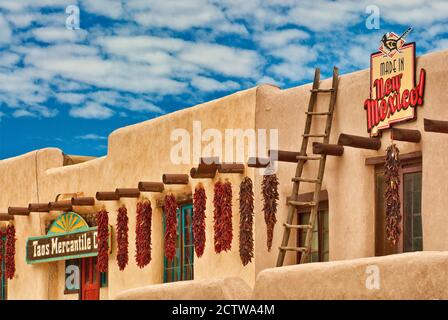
x=68 y=222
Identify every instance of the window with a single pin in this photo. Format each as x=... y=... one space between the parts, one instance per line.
x=411 y=210
x=320 y=243
x=181 y=267
x=4 y=281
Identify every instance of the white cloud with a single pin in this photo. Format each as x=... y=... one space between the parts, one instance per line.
x=111 y=9
x=8 y=59
x=71 y=98
x=209 y=84
x=91 y=111
x=5 y=30
x=58 y=34
x=91 y=136
x=221 y=59
x=22 y=113
x=280 y=38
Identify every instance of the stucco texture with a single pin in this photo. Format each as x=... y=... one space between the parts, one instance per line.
x=215 y=289
x=417 y=275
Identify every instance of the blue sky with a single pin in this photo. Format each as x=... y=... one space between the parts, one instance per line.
x=138 y=59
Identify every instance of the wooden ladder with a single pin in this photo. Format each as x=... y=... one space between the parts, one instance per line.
x=302 y=158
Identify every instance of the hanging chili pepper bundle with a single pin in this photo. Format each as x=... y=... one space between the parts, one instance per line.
x=227 y=231
x=246 y=221
x=199 y=205
x=222 y=216
x=392 y=194
x=10 y=252
x=143 y=233
x=217 y=224
x=270 y=197
x=122 y=238
x=103 y=240
x=171 y=226
x=1 y=252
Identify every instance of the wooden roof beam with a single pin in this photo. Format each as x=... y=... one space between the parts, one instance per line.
x=349 y=140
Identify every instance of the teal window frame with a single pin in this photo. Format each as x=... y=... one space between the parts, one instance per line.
x=182 y=266
x=4 y=281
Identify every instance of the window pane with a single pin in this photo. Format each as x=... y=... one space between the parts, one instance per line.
x=317 y=249
x=412 y=199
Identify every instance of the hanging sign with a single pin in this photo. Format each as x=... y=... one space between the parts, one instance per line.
x=69 y=237
x=394 y=94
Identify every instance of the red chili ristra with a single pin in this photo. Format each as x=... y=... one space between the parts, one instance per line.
x=270 y=198
x=103 y=240
x=246 y=221
x=171 y=226
x=143 y=233
x=392 y=194
x=10 y=251
x=1 y=252
x=122 y=238
x=222 y=216
x=199 y=206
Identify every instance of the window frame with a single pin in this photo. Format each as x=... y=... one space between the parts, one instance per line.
x=413 y=165
x=323 y=206
x=182 y=208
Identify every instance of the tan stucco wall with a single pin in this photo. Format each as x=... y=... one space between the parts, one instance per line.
x=416 y=275
x=142 y=153
x=233 y=288
x=349 y=182
x=137 y=153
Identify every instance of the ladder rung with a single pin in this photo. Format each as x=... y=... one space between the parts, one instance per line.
x=298 y=179
x=308 y=158
x=297 y=226
x=301 y=249
x=302 y=203
x=318 y=113
x=322 y=90
x=312 y=135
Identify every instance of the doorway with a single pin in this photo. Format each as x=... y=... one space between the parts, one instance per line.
x=90 y=279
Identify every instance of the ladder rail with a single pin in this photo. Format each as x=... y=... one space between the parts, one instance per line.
x=292 y=209
x=315 y=209
x=299 y=169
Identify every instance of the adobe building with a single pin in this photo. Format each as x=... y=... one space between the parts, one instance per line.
x=350 y=224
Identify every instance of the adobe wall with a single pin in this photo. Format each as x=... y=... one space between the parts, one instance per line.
x=136 y=153
x=349 y=182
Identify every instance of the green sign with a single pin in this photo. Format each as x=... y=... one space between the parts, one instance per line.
x=69 y=237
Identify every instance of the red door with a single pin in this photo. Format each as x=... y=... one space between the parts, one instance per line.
x=90 y=280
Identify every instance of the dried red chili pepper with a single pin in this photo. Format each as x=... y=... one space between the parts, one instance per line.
x=122 y=238
x=103 y=240
x=171 y=226
x=392 y=194
x=10 y=251
x=246 y=221
x=222 y=216
x=143 y=233
x=1 y=252
x=270 y=197
x=199 y=205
